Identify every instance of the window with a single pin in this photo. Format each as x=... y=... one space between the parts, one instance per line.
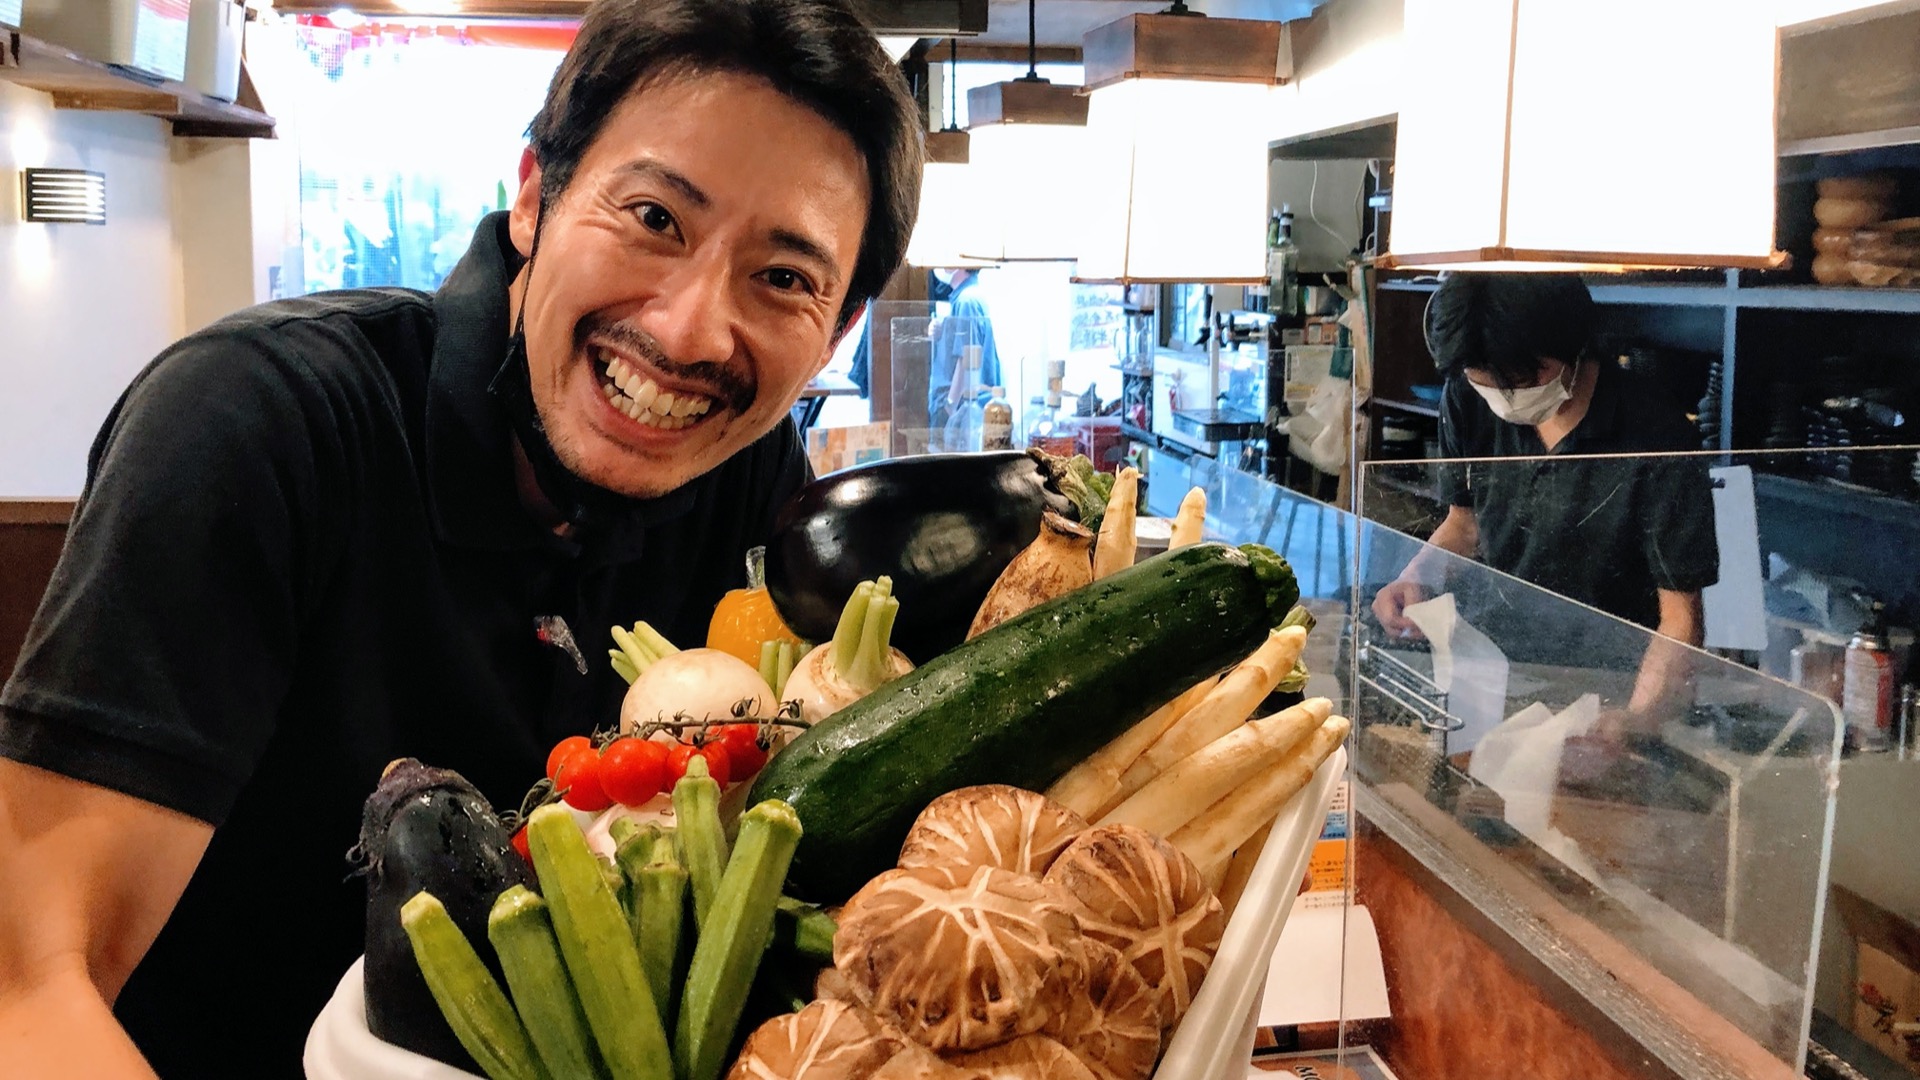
x=409 y=134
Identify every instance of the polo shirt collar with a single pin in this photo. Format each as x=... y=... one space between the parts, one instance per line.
x=1599 y=429
x=469 y=442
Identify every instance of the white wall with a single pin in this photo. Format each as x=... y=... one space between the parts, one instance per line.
x=82 y=308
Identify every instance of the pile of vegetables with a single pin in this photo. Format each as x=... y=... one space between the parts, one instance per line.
x=632 y=968
x=1050 y=660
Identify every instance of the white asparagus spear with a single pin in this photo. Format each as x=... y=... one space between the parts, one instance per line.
x=1210 y=839
x=1190 y=523
x=1115 y=549
x=1223 y=709
x=1207 y=775
x=1092 y=787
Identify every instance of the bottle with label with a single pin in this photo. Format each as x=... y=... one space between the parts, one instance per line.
x=1048 y=431
x=1283 y=271
x=1868 y=697
x=963 y=427
x=996 y=421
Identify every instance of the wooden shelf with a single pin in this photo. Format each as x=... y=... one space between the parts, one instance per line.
x=1415 y=407
x=1832 y=497
x=1662 y=295
x=1830 y=298
x=76 y=82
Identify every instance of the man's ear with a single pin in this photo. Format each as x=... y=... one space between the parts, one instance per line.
x=523 y=218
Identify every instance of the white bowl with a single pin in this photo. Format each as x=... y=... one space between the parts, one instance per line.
x=1213 y=1042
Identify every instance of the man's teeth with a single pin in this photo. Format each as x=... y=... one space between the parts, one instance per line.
x=642 y=399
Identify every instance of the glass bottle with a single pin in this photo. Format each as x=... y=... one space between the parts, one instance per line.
x=1283 y=271
x=996 y=421
x=963 y=427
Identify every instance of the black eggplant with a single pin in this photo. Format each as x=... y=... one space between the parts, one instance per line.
x=942 y=526
x=426 y=828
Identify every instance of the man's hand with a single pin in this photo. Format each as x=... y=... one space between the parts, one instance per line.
x=1390 y=605
x=87 y=878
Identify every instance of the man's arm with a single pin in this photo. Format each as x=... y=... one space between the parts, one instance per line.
x=1667 y=668
x=87 y=878
x=1459 y=534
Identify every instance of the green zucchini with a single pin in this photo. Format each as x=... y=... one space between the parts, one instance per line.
x=1020 y=704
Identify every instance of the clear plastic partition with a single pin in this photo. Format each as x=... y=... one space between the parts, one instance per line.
x=938 y=400
x=1642 y=805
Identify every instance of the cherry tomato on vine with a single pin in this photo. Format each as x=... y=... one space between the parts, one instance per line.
x=520 y=845
x=633 y=770
x=745 y=755
x=563 y=748
x=579 y=776
x=718 y=762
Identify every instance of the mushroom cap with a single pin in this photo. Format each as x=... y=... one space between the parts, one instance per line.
x=961 y=965
x=833 y=1040
x=1139 y=894
x=1029 y=1057
x=991 y=825
x=831 y=985
x=1114 y=1028
x=827 y=1040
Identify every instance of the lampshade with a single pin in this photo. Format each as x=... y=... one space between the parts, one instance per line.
x=1181 y=191
x=1028 y=157
x=1550 y=135
x=950 y=218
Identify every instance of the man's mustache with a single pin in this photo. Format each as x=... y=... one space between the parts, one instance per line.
x=724 y=385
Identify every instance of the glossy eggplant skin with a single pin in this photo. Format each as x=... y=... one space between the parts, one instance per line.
x=942 y=526
x=426 y=828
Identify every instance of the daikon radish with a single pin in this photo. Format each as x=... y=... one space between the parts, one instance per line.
x=1117 y=544
x=1092 y=787
x=1207 y=775
x=1190 y=523
x=1210 y=839
x=1223 y=709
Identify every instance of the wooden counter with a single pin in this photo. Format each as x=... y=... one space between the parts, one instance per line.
x=31 y=532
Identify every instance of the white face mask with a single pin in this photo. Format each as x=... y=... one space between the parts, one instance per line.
x=1530 y=405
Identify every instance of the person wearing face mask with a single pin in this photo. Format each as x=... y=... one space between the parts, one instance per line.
x=1629 y=536
x=329 y=532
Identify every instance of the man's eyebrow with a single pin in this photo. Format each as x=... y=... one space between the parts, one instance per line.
x=654 y=170
x=804 y=246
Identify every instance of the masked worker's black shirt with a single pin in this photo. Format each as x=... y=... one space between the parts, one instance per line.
x=1606 y=531
x=300 y=555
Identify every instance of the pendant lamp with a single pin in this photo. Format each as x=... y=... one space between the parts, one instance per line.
x=1028 y=154
x=1179 y=160
x=950 y=218
x=1558 y=136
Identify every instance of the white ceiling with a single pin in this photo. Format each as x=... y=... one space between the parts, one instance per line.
x=1065 y=22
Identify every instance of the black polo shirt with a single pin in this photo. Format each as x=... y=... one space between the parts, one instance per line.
x=299 y=555
x=1607 y=532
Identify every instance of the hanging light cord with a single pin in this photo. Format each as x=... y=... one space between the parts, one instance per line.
x=953 y=83
x=1033 y=48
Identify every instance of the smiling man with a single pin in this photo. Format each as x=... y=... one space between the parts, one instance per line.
x=329 y=532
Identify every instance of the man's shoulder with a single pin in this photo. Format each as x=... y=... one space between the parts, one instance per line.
x=361 y=342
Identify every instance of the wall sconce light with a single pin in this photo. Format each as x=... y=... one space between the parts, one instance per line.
x=63 y=196
x=1183 y=173
x=1526 y=147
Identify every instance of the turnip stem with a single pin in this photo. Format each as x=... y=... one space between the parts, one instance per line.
x=636 y=653
x=785 y=656
x=871 y=668
x=769 y=663
x=853 y=618
x=622 y=666
x=656 y=643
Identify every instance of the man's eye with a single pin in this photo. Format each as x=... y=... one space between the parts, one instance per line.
x=788 y=280
x=655 y=217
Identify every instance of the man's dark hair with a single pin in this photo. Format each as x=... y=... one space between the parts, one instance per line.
x=817 y=52
x=1505 y=324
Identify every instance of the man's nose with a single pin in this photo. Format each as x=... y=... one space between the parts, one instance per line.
x=693 y=316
